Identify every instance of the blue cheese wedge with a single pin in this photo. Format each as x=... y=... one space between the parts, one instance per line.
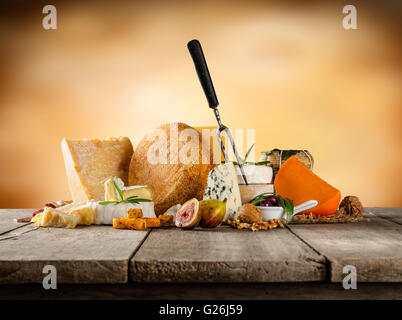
x=222 y=183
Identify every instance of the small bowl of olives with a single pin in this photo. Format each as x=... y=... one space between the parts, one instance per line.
x=272 y=206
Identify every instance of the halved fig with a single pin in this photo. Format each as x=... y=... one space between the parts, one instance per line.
x=188 y=216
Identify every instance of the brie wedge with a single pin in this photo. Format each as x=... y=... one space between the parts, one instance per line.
x=94 y=213
x=111 y=193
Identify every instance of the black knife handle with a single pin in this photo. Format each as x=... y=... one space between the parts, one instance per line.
x=194 y=46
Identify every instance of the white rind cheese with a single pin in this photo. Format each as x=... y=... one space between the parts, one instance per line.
x=255 y=174
x=94 y=213
x=111 y=193
x=106 y=213
x=222 y=183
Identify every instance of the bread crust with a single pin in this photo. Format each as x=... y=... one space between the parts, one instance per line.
x=170 y=183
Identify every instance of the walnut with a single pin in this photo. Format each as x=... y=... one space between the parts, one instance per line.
x=256 y=226
x=249 y=213
x=351 y=206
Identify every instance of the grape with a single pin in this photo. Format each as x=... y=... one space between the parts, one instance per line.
x=271 y=201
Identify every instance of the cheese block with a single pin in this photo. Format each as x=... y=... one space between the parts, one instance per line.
x=89 y=162
x=298 y=183
x=111 y=193
x=221 y=184
x=249 y=192
x=255 y=174
x=51 y=217
x=93 y=212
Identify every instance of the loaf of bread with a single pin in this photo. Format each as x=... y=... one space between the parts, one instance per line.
x=158 y=163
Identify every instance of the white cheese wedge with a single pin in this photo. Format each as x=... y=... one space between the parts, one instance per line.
x=51 y=217
x=249 y=192
x=255 y=174
x=94 y=213
x=222 y=183
x=89 y=162
x=111 y=193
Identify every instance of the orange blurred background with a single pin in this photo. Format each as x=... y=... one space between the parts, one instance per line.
x=286 y=69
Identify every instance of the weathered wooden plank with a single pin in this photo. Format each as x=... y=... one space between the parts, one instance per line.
x=225 y=254
x=86 y=254
x=8 y=216
x=374 y=248
x=393 y=214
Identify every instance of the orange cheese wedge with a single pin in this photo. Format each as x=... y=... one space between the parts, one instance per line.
x=298 y=183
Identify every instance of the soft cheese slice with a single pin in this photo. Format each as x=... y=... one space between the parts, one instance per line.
x=89 y=162
x=51 y=217
x=111 y=193
x=106 y=213
x=222 y=183
x=93 y=212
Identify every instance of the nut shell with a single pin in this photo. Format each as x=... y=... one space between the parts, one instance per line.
x=249 y=213
x=351 y=206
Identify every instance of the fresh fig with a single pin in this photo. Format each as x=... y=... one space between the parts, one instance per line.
x=212 y=213
x=188 y=216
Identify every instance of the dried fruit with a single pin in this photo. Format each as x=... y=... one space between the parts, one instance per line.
x=188 y=216
x=212 y=213
x=249 y=213
x=36 y=212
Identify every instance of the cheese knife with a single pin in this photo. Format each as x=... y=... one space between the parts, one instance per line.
x=194 y=46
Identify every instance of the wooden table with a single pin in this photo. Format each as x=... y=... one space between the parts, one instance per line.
x=298 y=254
